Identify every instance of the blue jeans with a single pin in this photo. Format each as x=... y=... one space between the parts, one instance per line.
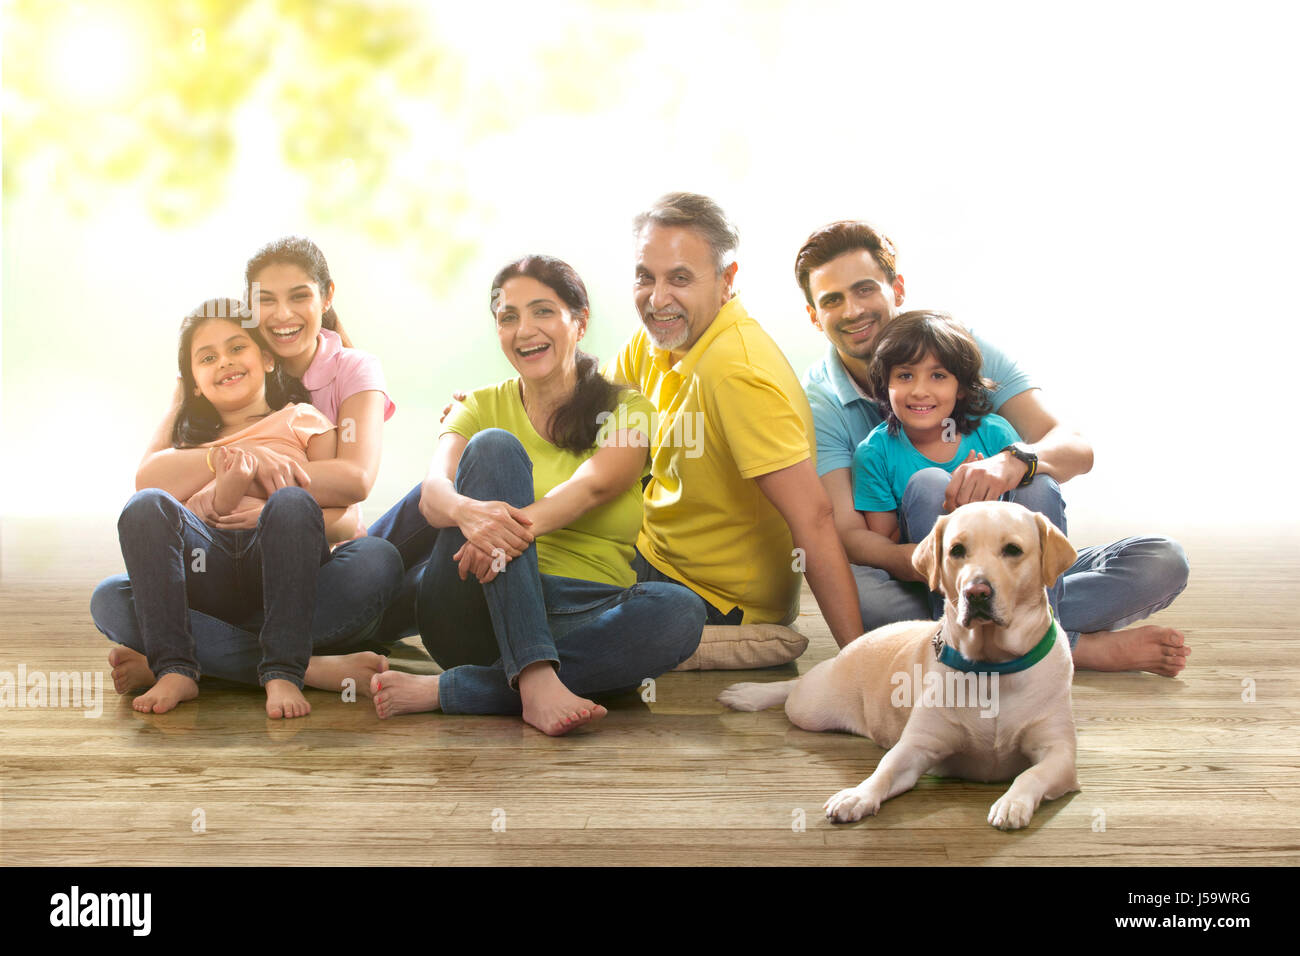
x=352 y=587
x=1107 y=588
x=645 y=571
x=601 y=637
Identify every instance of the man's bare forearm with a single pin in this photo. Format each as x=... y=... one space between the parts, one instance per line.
x=1063 y=454
x=832 y=582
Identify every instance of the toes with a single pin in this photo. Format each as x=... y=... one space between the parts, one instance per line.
x=1009 y=814
x=848 y=806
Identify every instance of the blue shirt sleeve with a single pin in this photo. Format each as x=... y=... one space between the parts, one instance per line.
x=1009 y=377
x=871 y=487
x=835 y=445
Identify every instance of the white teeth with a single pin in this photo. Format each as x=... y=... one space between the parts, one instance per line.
x=286 y=333
x=532 y=350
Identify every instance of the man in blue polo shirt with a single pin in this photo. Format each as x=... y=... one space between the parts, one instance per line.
x=848 y=274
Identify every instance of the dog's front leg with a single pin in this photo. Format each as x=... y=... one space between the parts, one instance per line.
x=1052 y=775
x=897 y=772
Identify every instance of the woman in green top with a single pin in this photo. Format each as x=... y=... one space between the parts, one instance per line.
x=518 y=545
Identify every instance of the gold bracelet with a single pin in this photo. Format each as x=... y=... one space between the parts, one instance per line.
x=210 y=468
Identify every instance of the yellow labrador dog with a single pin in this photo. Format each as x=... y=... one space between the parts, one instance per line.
x=983 y=695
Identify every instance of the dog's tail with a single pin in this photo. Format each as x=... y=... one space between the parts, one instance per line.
x=756 y=696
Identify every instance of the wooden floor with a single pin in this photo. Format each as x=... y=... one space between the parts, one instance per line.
x=1177 y=772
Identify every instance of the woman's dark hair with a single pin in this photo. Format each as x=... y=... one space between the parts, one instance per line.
x=574 y=425
x=306 y=255
x=197 y=421
x=907 y=339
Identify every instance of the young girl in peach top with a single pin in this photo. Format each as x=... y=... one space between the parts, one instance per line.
x=178 y=558
x=291 y=295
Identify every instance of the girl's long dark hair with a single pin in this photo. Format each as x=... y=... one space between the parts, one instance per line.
x=574 y=424
x=198 y=422
x=306 y=255
x=907 y=339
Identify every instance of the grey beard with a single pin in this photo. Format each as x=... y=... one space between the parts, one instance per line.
x=667 y=344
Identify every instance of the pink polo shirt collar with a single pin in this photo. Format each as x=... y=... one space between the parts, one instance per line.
x=324 y=364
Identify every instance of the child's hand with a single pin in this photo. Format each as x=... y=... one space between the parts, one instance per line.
x=240 y=520
x=235 y=469
x=235 y=464
x=276 y=471
x=201 y=504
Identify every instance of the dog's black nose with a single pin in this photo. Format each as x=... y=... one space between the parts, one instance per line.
x=978 y=591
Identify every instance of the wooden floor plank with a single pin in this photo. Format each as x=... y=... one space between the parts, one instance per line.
x=1196 y=771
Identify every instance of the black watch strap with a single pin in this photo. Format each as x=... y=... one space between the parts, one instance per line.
x=1024 y=453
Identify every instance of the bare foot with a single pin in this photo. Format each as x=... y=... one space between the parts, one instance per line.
x=550 y=706
x=397 y=693
x=170 y=690
x=328 y=672
x=1160 y=650
x=130 y=670
x=283 y=699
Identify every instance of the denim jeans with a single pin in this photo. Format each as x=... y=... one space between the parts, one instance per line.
x=601 y=637
x=645 y=571
x=352 y=587
x=1107 y=588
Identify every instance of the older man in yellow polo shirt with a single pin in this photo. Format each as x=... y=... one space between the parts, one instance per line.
x=733 y=509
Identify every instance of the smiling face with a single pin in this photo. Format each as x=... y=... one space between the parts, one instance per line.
x=289 y=305
x=539 y=334
x=922 y=394
x=852 y=301
x=229 y=369
x=678 y=291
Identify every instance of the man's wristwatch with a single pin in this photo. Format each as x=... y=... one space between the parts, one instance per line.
x=1024 y=453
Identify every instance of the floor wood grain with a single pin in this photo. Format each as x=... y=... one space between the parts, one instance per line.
x=1186 y=772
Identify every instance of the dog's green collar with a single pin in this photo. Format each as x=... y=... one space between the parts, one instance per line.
x=947 y=654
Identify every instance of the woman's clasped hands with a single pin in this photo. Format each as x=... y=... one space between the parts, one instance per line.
x=495 y=533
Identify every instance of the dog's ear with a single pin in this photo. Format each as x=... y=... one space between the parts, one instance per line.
x=1055 y=549
x=928 y=556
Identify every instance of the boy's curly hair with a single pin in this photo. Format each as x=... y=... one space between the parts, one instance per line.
x=909 y=338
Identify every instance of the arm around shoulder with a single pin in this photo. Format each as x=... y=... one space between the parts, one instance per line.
x=346 y=478
x=612 y=470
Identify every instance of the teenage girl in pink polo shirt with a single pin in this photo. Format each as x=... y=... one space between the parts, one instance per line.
x=291 y=293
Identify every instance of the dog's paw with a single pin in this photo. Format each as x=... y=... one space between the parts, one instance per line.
x=851 y=804
x=744 y=697
x=1010 y=813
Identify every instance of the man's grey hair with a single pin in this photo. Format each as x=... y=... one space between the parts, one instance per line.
x=699 y=213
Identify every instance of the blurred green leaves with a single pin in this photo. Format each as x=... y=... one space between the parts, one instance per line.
x=377 y=108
